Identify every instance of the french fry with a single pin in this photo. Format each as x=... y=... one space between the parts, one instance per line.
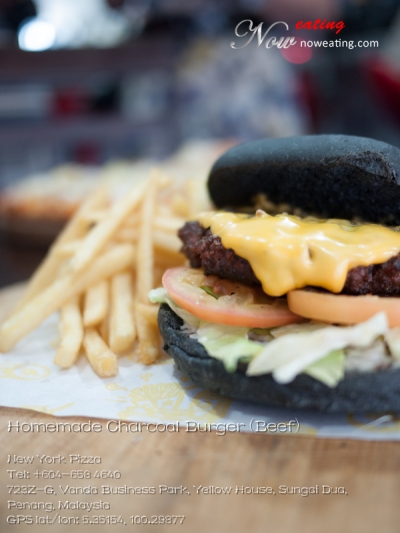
x=101 y=358
x=148 y=348
x=93 y=217
x=180 y=205
x=96 y=304
x=164 y=225
x=96 y=258
x=149 y=312
x=127 y=234
x=158 y=274
x=132 y=221
x=71 y=330
x=145 y=256
x=167 y=241
x=57 y=294
x=98 y=237
x=75 y=229
x=67 y=249
x=122 y=326
x=168 y=224
x=166 y=259
x=197 y=196
x=104 y=328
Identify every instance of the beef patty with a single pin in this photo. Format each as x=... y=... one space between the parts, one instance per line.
x=205 y=250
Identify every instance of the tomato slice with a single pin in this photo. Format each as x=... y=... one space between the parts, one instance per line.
x=342 y=309
x=233 y=303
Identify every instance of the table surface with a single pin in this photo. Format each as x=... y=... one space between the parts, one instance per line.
x=368 y=471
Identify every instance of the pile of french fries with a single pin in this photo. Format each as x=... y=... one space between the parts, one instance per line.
x=100 y=269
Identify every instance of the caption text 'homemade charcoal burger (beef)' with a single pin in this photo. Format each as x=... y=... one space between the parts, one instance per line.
x=296 y=303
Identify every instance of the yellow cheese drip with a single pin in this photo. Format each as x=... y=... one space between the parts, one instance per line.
x=287 y=252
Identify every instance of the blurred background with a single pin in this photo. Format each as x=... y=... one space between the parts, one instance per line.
x=102 y=86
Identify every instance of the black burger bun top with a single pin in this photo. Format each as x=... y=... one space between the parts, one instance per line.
x=332 y=176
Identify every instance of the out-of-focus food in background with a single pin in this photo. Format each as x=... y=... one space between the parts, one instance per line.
x=35 y=208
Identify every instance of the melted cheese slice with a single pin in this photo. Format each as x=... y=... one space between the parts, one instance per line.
x=288 y=253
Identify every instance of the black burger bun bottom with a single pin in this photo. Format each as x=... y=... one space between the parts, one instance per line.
x=332 y=176
x=369 y=392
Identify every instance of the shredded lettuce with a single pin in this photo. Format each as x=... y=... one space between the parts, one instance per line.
x=229 y=344
x=297 y=328
x=369 y=358
x=158 y=296
x=289 y=355
x=329 y=369
x=187 y=317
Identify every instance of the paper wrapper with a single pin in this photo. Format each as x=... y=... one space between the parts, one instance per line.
x=158 y=393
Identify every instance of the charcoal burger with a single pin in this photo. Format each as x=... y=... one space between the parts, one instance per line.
x=298 y=303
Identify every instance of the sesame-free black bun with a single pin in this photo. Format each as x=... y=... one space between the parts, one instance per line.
x=336 y=176
x=369 y=392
